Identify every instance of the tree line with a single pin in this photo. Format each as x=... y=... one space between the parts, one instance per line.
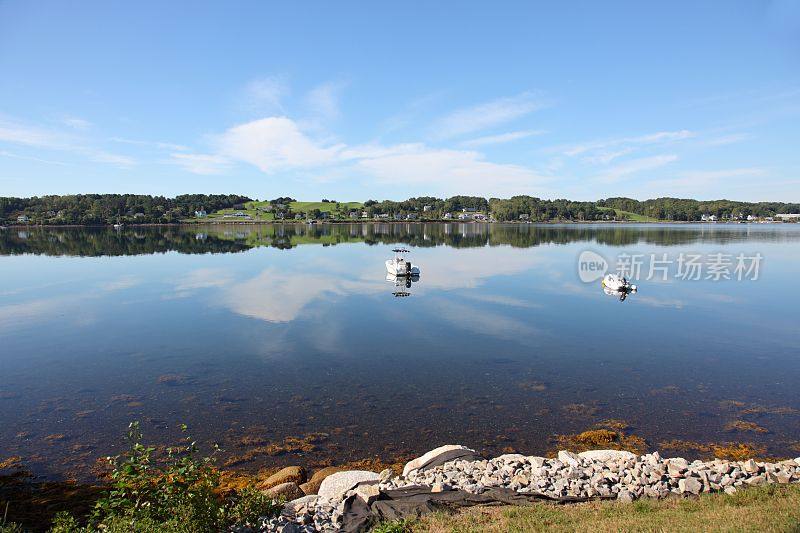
x=103 y=209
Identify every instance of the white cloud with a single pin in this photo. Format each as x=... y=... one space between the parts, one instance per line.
x=265 y=95
x=205 y=164
x=634 y=166
x=154 y=144
x=76 y=122
x=274 y=144
x=728 y=139
x=449 y=171
x=323 y=100
x=6 y=153
x=487 y=115
x=695 y=180
x=501 y=138
x=27 y=135
x=627 y=144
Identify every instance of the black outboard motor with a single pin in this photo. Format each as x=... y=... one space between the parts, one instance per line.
x=408 y=267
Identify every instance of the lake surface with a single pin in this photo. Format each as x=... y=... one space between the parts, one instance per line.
x=252 y=334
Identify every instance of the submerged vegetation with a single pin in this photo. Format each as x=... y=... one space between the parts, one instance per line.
x=178 y=493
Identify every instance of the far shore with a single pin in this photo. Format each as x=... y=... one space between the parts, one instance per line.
x=378 y=221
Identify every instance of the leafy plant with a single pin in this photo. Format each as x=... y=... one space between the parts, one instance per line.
x=250 y=506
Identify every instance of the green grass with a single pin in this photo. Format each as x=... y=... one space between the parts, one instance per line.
x=628 y=215
x=768 y=508
x=257 y=210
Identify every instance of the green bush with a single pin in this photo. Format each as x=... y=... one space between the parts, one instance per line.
x=176 y=495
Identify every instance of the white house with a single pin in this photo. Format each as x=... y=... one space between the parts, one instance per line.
x=447 y=216
x=23 y=219
x=426 y=208
x=788 y=216
x=200 y=213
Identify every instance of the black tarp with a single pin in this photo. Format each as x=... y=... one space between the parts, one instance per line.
x=413 y=502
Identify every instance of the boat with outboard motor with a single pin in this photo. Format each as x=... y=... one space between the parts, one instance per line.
x=399 y=266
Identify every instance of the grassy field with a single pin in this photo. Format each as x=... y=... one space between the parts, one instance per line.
x=257 y=210
x=633 y=217
x=768 y=508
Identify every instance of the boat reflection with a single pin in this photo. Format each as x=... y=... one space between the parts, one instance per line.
x=621 y=293
x=401 y=284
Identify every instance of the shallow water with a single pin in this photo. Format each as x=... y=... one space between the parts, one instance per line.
x=251 y=334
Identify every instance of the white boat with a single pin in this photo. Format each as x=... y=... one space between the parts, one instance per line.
x=399 y=266
x=617 y=283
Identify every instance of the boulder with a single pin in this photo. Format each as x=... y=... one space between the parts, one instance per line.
x=293 y=474
x=368 y=491
x=304 y=502
x=440 y=455
x=569 y=458
x=334 y=487
x=604 y=456
x=690 y=485
x=288 y=491
x=312 y=485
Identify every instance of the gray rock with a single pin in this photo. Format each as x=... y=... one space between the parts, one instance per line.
x=438 y=456
x=334 y=487
x=625 y=496
x=750 y=466
x=569 y=458
x=690 y=485
x=304 y=502
x=367 y=491
x=605 y=456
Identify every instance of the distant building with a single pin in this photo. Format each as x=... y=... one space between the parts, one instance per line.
x=469 y=210
x=447 y=216
x=364 y=214
x=383 y=215
x=788 y=216
x=524 y=216
x=426 y=208
x=138 y=215
x=411 y=216
x=23 y=219
x=751 y=218
x=479 y=216
x=200 y=213
x=354 y=214
x=464 y=216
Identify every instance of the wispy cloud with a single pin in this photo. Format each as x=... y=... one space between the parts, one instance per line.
x=76 y=123
x=625 y=145
x=265 y=95
x=16 y=132
x=151 y=144
x=323 y=100
x=633 y=166
x=204 y=164
x=728 y=139
x=501 y=138
x=696 y=180
x=486 y=115
x=12 y=155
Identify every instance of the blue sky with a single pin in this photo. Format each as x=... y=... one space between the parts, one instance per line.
x=357 y=100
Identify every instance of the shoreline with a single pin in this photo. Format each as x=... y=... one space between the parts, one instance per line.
x=339 y=497
x=394 y=222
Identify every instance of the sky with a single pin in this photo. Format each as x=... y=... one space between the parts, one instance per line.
x=389 y=100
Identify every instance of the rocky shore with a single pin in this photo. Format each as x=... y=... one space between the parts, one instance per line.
x=453 y=475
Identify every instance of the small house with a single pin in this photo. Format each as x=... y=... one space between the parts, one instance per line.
x=23 y=219
x=200 y=213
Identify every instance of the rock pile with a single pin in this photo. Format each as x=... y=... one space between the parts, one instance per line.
x=587 y=475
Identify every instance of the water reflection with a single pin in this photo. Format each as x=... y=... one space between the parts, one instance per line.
x=231 y=239
x=402 y=284
x=281 y=330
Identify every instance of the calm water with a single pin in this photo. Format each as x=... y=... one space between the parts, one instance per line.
x=253 y=334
